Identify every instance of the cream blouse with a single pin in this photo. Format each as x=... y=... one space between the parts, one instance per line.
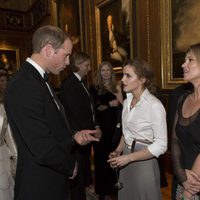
x=145 y=121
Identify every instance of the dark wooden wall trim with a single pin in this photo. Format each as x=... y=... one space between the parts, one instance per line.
x=25 y=21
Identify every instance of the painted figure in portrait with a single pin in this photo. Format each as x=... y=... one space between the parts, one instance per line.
x=115 y=36
x=68 y=20
x=8 y=60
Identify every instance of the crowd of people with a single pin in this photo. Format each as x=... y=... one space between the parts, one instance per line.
x=46 y=141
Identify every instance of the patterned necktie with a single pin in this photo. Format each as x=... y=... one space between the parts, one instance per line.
x=90 y=98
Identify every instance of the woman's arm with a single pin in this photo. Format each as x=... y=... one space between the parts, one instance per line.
x=188 y=178
x=179 y=171
x=118 y=161
x=196 y=165
x=121 y=145
x=117 y=151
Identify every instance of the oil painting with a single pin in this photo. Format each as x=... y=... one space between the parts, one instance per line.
x=9 y=59
x=113 y=19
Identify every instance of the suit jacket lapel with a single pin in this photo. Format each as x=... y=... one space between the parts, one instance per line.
x=37 y=76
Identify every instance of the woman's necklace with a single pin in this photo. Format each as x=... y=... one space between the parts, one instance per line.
x=136 y=98
x=131 y=107
x=133 y=103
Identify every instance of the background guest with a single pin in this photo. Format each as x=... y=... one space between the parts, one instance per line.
x=79 y=110
x=8 y=151
x=108 y=99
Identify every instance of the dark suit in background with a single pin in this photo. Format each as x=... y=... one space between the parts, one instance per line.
x=43 y=138
x=77 y=104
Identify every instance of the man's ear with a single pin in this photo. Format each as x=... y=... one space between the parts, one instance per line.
x=48 y=50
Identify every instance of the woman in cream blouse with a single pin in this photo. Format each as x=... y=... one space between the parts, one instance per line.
x=144 y=135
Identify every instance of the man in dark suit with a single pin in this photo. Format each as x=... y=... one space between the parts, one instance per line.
x=43 y=136
x=79 y=108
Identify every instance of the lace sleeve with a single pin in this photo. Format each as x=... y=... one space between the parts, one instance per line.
x=179 y=171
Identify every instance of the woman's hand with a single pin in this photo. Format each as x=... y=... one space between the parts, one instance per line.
x=117 y=162
x=113 y=154
x=192 y=184
x=114 y=103
x=102 y=107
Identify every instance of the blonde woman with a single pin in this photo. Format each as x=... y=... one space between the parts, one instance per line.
x=186 y=139
x=108 y=99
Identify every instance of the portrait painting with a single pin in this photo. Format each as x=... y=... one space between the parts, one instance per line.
x=180 y=26
x=113 y=31
x=69 y=20
x=185 y=31
x=9 y=59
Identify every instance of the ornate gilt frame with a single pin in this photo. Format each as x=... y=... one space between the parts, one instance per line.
x=168 y=82
x=12 y=54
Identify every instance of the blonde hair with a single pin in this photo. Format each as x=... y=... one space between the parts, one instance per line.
x=99 y=82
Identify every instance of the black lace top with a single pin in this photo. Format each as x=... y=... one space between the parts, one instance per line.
x=185 y=141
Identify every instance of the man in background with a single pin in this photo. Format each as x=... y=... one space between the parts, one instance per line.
x=79 y=108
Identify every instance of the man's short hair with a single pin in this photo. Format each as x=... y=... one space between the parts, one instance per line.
x=48 y=35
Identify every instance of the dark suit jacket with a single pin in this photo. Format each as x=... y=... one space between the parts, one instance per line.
x=77 y=104
x=43 y=139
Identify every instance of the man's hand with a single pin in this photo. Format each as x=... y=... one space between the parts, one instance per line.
x=84 y=137
x=98 y=134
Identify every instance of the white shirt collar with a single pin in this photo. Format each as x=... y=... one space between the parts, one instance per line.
x=144 y=95
x=37 y=67
x=77 y=75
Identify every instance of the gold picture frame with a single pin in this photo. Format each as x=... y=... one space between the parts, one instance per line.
x=9 y=59
x=169 y=81
x=123 y=27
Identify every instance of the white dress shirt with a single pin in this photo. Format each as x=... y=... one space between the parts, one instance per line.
x=145 y=121
x=42 y=72
x=37 y=67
